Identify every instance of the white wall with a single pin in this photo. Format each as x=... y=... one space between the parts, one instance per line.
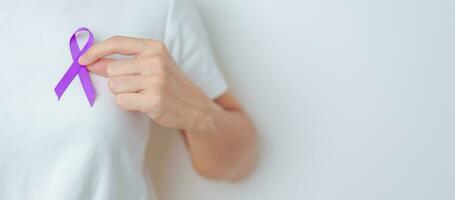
x=353 y=100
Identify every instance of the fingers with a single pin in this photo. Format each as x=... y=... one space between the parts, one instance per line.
x=129 y=84
x=110 y=68
x=100 y=66
x=132 y=97
x=119 y=45
x=134 y=102
x=133 y=81
x=128 y=67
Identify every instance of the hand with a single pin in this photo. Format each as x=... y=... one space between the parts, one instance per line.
x=150 y=82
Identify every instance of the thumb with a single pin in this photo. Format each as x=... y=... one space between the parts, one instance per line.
x=99 y=67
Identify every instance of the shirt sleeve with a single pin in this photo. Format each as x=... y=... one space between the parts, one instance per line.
x=187 y=41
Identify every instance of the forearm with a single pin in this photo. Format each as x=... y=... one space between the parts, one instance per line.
x=224 y=146
x=220 y=136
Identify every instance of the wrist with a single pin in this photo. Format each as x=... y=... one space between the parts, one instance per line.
x=203 y=118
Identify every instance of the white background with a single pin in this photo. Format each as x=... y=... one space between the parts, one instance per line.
x=352 y=99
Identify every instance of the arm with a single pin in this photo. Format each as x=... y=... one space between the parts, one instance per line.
x=221 y=138
x=225 y=146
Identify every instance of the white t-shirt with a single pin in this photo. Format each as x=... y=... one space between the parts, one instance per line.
x=67 y=150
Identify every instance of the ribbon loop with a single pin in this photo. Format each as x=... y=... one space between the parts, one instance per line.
x=77 y=69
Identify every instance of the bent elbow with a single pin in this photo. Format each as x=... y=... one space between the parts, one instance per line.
x=233 y=171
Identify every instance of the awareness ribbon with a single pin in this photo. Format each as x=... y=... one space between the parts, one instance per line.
x=77 y=69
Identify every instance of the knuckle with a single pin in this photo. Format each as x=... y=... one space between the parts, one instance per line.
x=146 y=66
x=115 y=38
x=121 y=100
x=113 y=85
x=113 y=41
x=153 y=65
x=110 y=69
x=147 y=61
x=161 y=47
x=148 y=81
x=160 y=62
x=157 y=62
x=150 y=42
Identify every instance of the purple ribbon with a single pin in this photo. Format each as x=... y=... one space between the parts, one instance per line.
x=77 y=69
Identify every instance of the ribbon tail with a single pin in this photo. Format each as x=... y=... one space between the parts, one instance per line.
x=87 y=85
x=66 y=80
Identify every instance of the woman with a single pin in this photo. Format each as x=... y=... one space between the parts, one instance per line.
x=65 y=150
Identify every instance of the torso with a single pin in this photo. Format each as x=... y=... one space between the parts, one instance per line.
x=60 y=148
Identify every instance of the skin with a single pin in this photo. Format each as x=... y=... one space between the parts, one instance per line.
x=220 y=137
